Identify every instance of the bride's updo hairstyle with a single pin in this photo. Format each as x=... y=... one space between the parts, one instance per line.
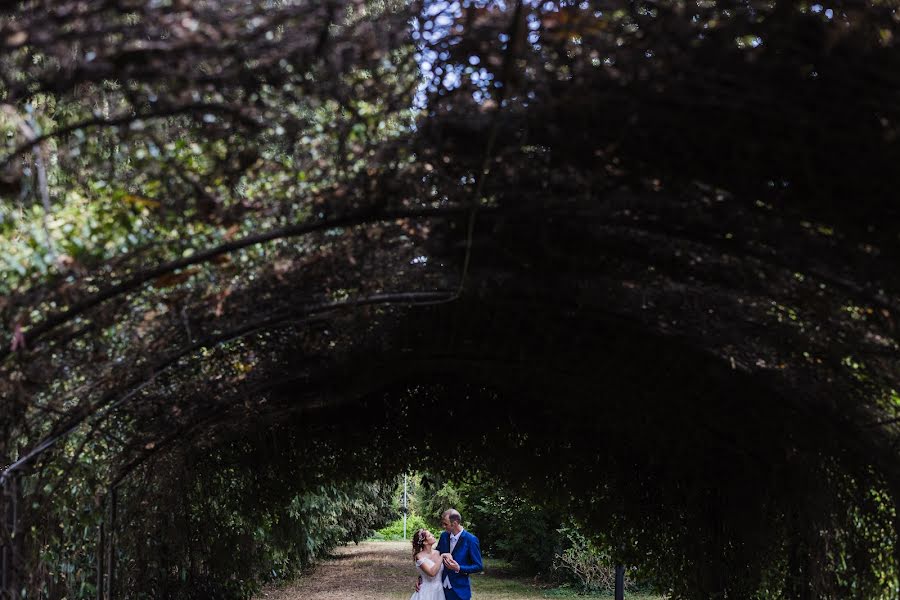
x=418 y=541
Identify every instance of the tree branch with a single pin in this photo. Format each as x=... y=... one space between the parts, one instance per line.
x=109 y=402
x=126 y=119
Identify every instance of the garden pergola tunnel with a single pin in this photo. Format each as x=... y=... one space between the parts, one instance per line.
x=632 y=402
x=645 y=252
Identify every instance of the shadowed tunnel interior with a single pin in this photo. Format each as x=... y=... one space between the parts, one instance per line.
x=635 y=261
x=687 y=465
x=607 y=372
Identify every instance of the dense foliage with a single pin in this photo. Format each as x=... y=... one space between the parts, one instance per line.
x=508 y=525
x=213 y=526
x=634 y=260
x=394 y=531
x=240 y=519
x=539 y=540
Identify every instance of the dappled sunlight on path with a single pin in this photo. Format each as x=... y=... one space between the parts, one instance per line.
x=370 y=571
x=385 y=571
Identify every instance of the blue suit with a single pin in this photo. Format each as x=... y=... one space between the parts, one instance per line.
x=468 y=554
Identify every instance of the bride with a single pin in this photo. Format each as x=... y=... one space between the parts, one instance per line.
x=429 y=564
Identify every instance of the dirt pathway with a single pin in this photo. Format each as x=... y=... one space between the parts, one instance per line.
x=385 y=571
x=370 y=571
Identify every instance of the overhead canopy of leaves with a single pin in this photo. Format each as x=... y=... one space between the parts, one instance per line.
x=644 y=253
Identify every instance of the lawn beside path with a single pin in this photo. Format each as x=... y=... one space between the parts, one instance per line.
x=385 y=571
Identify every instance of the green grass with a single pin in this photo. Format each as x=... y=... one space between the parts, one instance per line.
x=499 y=582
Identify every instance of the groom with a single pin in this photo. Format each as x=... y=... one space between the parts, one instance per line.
x=462 y=556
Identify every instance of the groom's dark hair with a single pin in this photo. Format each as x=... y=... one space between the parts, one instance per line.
x=453 y=515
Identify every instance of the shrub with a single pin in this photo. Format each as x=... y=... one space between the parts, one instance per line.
x=585 y=565
x=394 y=531
x=511 y=526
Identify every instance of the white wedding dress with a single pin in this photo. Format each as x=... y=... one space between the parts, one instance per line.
x=431 y=588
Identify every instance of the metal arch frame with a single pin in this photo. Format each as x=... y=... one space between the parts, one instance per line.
x=9 y=550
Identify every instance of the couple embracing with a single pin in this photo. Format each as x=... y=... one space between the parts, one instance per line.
x=444 y=568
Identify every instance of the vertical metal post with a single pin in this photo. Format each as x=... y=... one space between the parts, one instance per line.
x=101 y=551
x=15 y=559
x=620 y=582
x=111 y=562
x=4 y=548
x=404 y=506
x=4 y=566
x=9 y=558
